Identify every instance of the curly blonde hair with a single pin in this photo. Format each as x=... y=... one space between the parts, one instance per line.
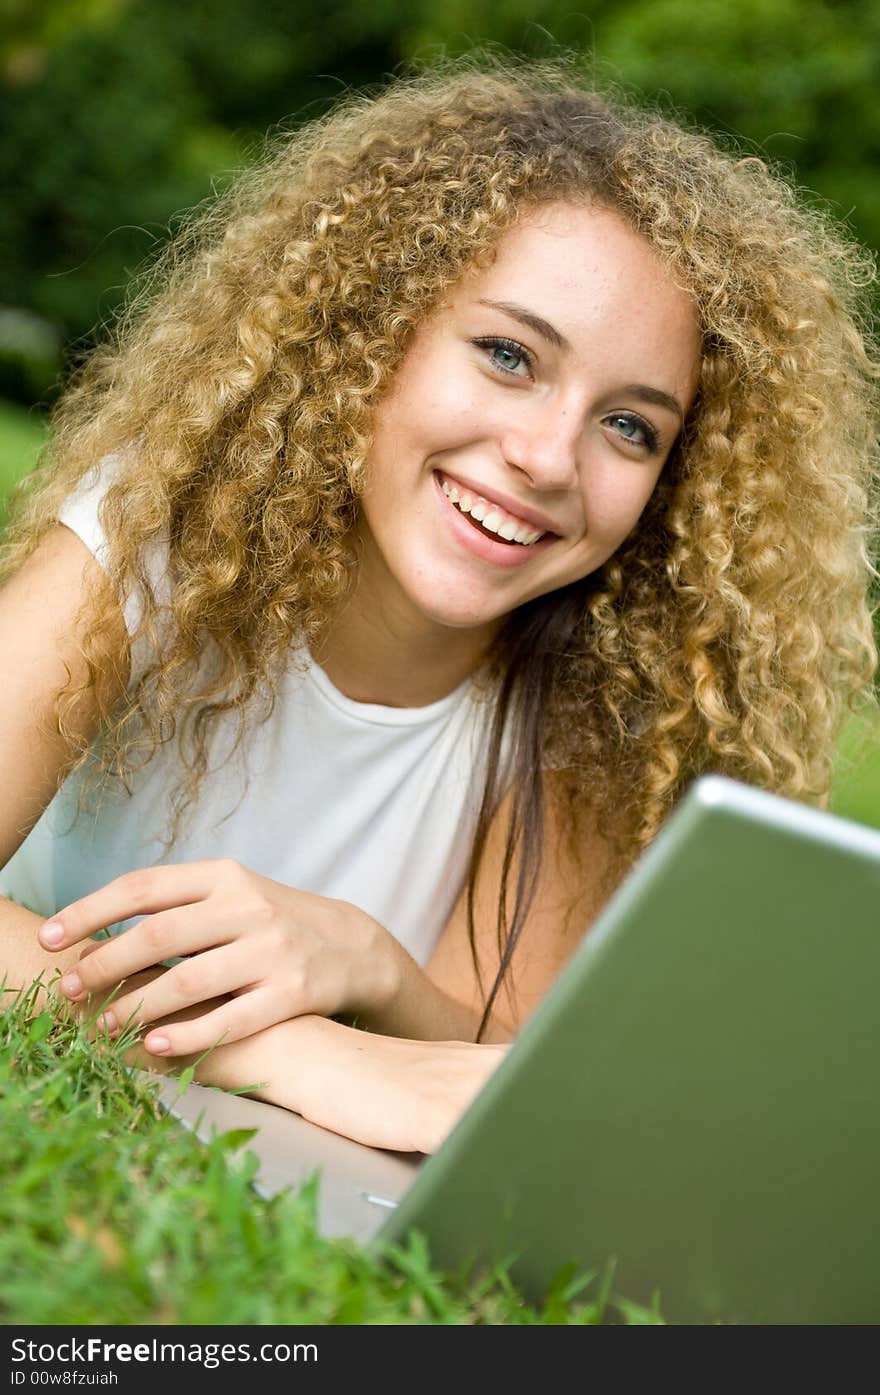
x=728 y=632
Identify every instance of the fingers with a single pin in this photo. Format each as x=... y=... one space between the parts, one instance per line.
x=142 y=892
x=240 y=1017
x=198 y=980
x=168 y=935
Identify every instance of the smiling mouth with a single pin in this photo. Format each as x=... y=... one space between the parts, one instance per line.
x=489 y=519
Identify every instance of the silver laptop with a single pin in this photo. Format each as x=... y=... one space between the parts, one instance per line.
x=696 y=1099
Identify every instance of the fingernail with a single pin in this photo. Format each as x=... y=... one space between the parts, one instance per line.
x=107 y=1023
x=51 y=934
x=157 y=1045
x=71 y=984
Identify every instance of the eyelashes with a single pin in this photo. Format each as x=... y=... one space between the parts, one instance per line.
x=497 y=346
x=650 y=440
x=493 y=345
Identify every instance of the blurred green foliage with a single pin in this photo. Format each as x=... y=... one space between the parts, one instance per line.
x=115 y=114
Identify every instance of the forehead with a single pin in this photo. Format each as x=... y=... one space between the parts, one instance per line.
x=564 y=246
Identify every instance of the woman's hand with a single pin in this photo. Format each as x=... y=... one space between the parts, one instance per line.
x=278 y=952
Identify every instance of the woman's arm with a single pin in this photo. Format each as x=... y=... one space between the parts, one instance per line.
x=22 y=961
x=273 y=953
x=40 y=644
x=383 y=1091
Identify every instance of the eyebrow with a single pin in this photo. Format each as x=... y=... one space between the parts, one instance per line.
x=529 y=318
x=655 y=396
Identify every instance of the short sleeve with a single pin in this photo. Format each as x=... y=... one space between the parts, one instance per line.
x=81 y=513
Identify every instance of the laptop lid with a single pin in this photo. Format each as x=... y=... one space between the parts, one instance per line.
x=697 y=1097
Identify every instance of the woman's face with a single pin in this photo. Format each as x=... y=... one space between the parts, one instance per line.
x=529 y=421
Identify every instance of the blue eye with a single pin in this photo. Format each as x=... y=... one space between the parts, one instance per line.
x=505 y=355
x=507 y=358
x=634 y=430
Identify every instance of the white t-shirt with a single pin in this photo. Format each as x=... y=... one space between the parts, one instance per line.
x=369 y=804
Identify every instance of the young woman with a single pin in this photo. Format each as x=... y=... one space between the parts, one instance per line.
x=491 y=461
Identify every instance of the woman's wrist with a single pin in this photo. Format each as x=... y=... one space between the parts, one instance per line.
x=387 y=979
x=381 y=973
x=281 y=1064
x=391 y=994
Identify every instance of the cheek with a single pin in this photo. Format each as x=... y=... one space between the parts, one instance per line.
x=427 y=380
x=437 y=402
x=414 y=436
x=614 y=503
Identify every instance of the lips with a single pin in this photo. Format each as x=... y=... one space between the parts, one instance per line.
x=486 y=547
x=521 y=514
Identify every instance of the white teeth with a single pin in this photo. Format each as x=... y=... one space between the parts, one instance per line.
x=489 y=517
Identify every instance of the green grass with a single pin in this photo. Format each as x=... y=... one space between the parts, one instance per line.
x=22 y=434
x=856 y=792
x=110 y=1212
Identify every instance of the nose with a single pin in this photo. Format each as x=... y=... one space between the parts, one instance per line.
x=545 y=447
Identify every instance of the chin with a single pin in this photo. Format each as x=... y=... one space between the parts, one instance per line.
x=453 y=617
x=453 y=608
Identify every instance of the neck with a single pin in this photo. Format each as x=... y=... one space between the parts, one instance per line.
x=376 y=650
